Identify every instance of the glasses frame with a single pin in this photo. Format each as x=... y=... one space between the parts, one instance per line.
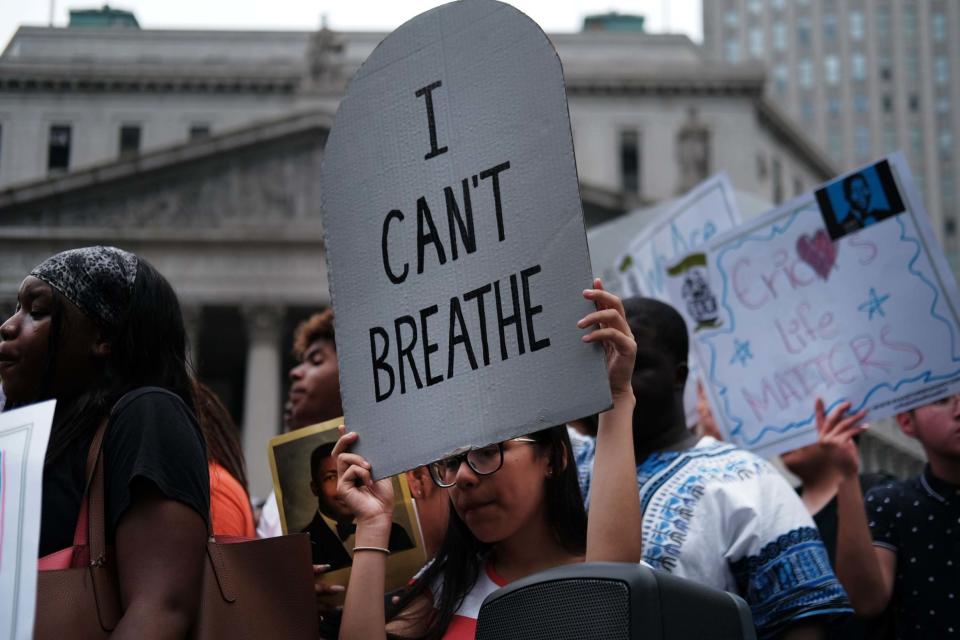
x=465 y=457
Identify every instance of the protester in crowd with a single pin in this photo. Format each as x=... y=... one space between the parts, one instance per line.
x=517 y=511
x=903 y=550
x=331 y=545
x=230 y=510
x=712 y=512
x=100 y=330
x=821 y=467
x=314 y=394
x=433 y=508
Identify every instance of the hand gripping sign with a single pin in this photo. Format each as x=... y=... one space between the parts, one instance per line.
x=455 y=240
x=843 y=293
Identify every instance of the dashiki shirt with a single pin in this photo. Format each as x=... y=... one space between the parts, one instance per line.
x=726 y=518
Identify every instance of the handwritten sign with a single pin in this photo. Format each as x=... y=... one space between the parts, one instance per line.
x=706 y=211
x=781 y=313
x=455 y=240
x=23 y=443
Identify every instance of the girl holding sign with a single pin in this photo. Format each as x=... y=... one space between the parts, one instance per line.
x=516 y=511
x=99 y=330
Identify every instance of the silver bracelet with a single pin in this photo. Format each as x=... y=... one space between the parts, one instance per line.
x=380 y=549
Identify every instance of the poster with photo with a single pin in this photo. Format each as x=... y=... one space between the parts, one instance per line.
x=843 y=293
x=305 y=481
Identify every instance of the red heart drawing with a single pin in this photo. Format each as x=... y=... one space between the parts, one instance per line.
x=818 y=251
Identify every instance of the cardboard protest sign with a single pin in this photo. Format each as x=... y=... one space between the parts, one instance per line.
x=781 y=313
x=455 y=242
x=23 y=444
x=706 y=211
x=305 y=482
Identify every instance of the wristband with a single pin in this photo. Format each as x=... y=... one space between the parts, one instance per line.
x=380 y=549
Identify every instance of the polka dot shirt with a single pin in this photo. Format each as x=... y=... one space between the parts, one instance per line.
x=919 y=520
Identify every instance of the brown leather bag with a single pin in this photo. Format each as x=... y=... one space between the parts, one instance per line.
x=251 y=588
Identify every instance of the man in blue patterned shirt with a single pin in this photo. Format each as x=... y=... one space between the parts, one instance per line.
x=714 y=513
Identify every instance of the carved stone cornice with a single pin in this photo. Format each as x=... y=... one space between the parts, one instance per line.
x=86 y=78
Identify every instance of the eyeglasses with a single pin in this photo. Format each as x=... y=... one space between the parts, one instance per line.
x=483 y=461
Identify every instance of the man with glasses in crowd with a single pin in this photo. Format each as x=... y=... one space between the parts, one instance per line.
x=903 y=551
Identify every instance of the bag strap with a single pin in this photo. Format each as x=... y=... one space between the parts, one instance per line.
x=103 y=575
x=81 y=531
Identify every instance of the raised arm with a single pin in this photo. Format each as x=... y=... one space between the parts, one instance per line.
x=613 y=524
x=865 y=571
x=372 y=505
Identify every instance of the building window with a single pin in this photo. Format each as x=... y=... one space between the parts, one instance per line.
x=887 y=102
x=807 y=110
x=941 y=71
x=856 y=25
x=861 y=142
x=779 y=35
x=805 y=73
x=949 y=225
x=883 y=23
x=803 y=31
x=858 y=66
x=833 y=105
x=861 y=102
x=199 y=131
x=834 y=142
x=912 y=65
x=829 y=28
x=939 y=27
x=761 y=167
x=630 y=161
x=916 y=143
x=913 y=102
x=890 y=141
x=755 y=6
x=945 y=142
x=732 y=51
x=777 y=171
x=731 y=18
x=885 y=64
x=781 y=75
x=756 y=42
x=909 y=23
x=129 y=140
x=831 y=69
x=58 y=148
x=777 y=5
x=943 y=104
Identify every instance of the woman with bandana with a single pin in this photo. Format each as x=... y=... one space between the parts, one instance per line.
x=100 y=330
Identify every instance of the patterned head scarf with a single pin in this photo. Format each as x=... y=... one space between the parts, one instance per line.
x=98 y=280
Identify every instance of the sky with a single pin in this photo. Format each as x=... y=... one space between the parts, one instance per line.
x=677 y=16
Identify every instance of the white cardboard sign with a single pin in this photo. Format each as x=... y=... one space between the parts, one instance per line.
x=843 y=293
x=708 y=210
x=455 y=241
x=23 y=444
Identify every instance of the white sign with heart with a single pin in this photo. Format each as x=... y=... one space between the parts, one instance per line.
x=843 y=293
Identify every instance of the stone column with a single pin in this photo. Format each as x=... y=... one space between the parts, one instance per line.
x=262 y=405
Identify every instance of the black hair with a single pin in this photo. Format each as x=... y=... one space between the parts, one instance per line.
x=654 y=319
x=460 y=557
x=848 y=183
x=323 y=451
x=220 y=433
x=148 y=348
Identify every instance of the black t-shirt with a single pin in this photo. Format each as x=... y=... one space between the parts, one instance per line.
x=152 y=438
x=919 y=520
x=850 y=628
